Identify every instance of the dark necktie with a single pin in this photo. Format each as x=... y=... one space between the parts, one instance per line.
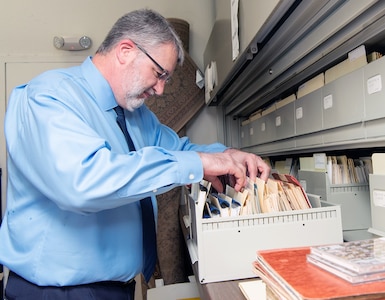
x=149 y=234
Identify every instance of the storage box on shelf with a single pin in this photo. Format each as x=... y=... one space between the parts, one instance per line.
x=342 y=112
x=374 y=81
x=224 y=248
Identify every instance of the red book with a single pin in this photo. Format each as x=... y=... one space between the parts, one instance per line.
x=288 y=275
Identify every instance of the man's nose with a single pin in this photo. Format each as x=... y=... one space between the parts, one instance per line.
x=159 y=87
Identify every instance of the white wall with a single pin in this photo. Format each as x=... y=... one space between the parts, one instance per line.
x=27 y=29
x=203 y=129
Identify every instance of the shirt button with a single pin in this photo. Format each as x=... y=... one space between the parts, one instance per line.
x=154 y=191
x=191 y=176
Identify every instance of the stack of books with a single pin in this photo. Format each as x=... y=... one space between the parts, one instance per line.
x=288 y=275
x=356 y=261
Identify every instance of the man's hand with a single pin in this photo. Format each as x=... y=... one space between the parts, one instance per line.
x=254 y=164
x=233 y=162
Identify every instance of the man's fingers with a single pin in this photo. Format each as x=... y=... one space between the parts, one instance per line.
x=215 y=183
x=239 y=177
x=236 y=163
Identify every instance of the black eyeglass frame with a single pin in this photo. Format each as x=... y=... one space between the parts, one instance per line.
x=165 y=75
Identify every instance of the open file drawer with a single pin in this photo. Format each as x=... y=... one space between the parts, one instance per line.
x=225 y=247
x=353 y=198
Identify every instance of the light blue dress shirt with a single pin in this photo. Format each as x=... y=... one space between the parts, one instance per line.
x=72 y=213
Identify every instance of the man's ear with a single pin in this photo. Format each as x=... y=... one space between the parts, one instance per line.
x=124 y=51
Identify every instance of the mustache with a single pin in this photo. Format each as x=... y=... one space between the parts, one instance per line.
x=149 y=91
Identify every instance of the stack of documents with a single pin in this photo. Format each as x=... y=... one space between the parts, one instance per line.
x=340 y=168
x=311 y=85
x=282 y=192
x=356 y=59
x=344 y=170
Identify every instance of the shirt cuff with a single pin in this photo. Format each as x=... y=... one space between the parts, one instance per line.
x=190 y=166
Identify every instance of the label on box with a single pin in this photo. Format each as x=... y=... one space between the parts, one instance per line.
x=299 y=113
x=374 y=84
x=320 y=161
x=328 y=101
x=379 y=198
x=278 y=121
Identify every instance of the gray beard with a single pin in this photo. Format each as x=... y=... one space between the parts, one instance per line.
x=133 y=103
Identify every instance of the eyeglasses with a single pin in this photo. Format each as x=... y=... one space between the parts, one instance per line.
x=164 y=76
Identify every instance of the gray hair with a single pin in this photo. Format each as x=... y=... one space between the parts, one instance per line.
x=144 y=27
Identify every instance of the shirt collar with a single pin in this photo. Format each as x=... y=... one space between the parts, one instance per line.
x=101 y=89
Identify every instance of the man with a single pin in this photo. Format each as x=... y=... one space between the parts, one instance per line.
x=73 y=226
